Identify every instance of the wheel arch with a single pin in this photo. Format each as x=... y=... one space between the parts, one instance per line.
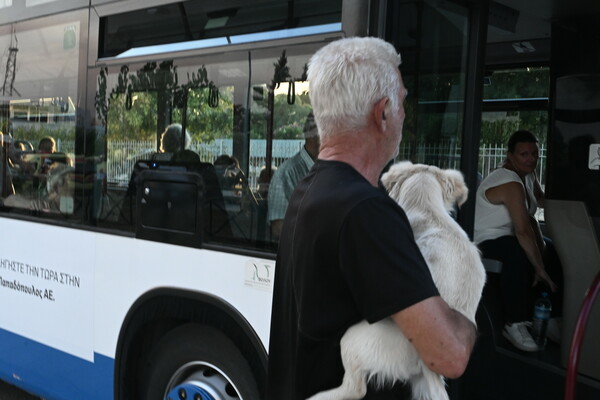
x=159 y=311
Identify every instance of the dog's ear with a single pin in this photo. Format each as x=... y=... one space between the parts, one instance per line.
x=455 y=189
x=392 y=180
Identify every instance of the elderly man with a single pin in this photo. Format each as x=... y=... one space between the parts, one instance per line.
x=289 y=174
x=347 y=251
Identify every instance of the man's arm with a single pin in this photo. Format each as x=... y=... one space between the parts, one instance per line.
x=443 y=337
x=512 y=196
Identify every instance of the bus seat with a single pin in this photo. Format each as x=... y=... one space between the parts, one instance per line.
x=576 y=242
x=493 y=266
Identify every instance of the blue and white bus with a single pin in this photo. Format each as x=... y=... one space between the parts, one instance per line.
x=131 y=271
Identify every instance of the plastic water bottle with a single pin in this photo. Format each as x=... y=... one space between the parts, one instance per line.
x=541 y=315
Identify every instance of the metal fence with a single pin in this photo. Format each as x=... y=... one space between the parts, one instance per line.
x=122 y=155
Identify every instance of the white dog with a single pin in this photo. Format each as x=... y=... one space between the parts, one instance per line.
x=380 y=352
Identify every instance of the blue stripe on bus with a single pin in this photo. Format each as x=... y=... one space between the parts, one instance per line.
x=51 y=373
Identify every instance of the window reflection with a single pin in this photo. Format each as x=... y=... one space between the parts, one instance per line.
x=37 y=118
x=433 y=69
x=237 y=130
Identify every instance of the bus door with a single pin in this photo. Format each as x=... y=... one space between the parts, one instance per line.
x=573 y=205
x=438 y=44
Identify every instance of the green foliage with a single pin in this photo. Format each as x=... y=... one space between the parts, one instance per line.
x=498 y=130
x=288 y=120
x=289 y=110
x=530 y=82
x=137 y=123
x=207 y=123
x=129 y=110
x=431 y=115
x=34 y=133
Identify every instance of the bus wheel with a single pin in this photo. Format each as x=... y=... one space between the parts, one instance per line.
x=196 y=362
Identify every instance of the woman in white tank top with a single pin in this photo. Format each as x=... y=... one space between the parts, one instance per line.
x=506 y=230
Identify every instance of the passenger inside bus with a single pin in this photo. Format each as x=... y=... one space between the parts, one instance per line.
x=506 y=230
x=57 y=197
x=47 y=145
x=170 y=145
x=228 y=170
x=240 y=201
x=6 y=146
x=263 y=182
x=289 y=174
x=36 y=165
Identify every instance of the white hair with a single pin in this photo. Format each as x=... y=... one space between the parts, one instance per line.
x=171 y=138
x=347 y=77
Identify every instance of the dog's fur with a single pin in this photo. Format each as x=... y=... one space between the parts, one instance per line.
x=380 y=353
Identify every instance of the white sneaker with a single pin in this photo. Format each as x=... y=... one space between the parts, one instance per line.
x=518 y=334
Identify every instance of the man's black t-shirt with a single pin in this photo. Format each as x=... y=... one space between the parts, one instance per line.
x=347 y=253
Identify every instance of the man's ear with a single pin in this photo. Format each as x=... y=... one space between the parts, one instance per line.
x=379 y=113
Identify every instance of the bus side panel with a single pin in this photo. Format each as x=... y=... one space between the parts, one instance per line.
x=46 y=275
x=51 y=373
x=128 y=268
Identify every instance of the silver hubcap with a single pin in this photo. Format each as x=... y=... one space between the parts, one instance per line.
x=200 y=381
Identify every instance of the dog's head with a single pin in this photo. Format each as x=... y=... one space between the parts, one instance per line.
x=408 y=176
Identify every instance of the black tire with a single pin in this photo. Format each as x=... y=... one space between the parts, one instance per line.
x=202 y=357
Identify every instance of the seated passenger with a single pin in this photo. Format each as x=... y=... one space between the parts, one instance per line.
x=263 y=182
x=228 y=171
x=170 y=146
x=6 y=185
x=506 y=230
x=58 y=197
x=289 y=174
x=46 y=145
x=239 y=200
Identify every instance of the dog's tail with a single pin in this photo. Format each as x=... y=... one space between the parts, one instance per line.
x=428 y=386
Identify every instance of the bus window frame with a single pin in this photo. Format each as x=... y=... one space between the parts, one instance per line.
x=82 y=16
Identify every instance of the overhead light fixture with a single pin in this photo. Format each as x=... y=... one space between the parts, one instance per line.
x=216 y=23
x=523 y=47
x=218 y=19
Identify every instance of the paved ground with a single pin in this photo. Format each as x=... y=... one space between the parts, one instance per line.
x=9 y=392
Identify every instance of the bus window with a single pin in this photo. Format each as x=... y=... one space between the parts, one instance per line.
x=243 y=136
x=282 y=147
x=37 y=117
x=434 y=72
x=169 y=112
x=510 y=105
x=514 y=99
